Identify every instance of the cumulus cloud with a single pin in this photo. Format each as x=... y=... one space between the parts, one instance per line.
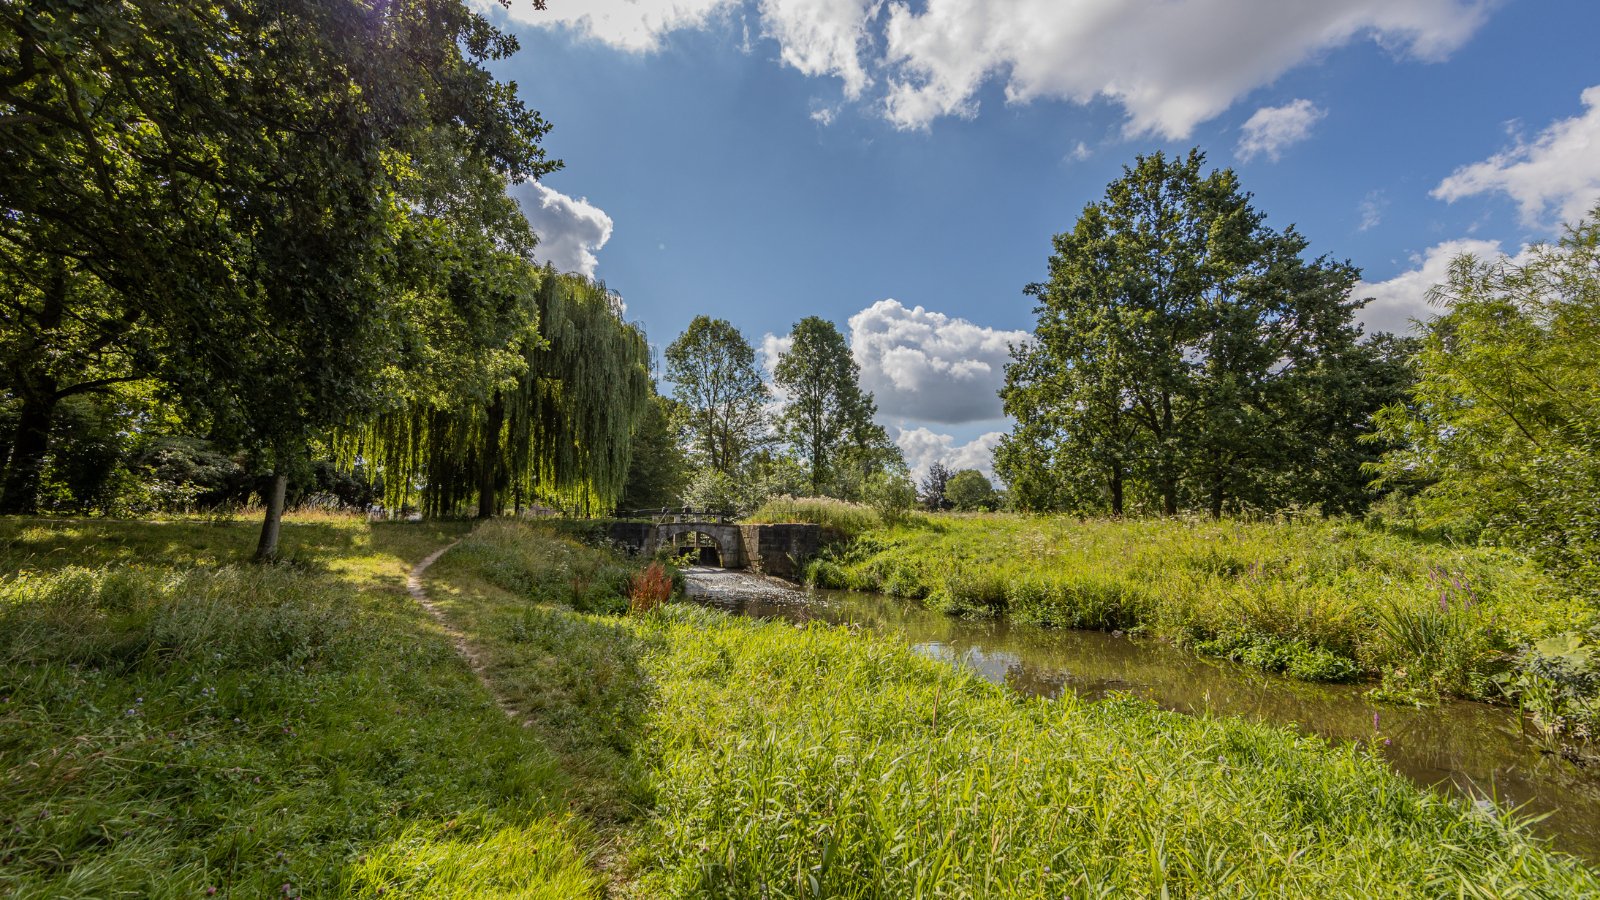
x=1273 y=128
x=923 y=447
x=822 y=37
x=1557 y=172
x=570 y=231
x=1170 y=64
x=928 y=366
x=1405 y=297
x=633 y=25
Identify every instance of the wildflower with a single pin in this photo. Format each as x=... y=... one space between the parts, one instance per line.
x=1374 y=721
x=211 y=891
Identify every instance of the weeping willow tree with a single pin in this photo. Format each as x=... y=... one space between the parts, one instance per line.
x=556 y=431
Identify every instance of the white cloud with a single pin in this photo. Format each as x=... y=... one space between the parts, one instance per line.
x=1273 y=128
x=570 y=231
x=824 y=115
x=928 y=366
x=1080 y=152
x=822 y=37
x=1170 y=64
x=1558 y=172
x=1405 y=297
x=636 y=26
x=1372 y=207
x=923 y=447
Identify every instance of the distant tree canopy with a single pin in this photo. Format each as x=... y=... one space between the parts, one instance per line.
x=1502 y=432
x=1189 y=357
x=935 y=487
x=971 y=491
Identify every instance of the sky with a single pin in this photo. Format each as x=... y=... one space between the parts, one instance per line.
x=900 y=168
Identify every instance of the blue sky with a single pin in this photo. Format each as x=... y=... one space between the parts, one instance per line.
x=900 y=168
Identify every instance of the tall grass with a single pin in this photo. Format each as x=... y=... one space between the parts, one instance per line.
x=848 y=519
x=1316 y=599
x=822 y=763
x=774 y=762
x=255 y=731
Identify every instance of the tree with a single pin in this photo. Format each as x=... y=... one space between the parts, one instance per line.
x=231 y=168
x=1180 y=341
x=1502 y=430
x=63 y=335
x=828 y=418
x=970 y=491
x=934 y=487
x=722 y=397
x=657 y=469
x=559 y=431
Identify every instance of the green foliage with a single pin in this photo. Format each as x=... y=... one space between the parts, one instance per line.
x=1316 y=599
x=828 y=418
x=1187 y=357
x=720 y=394
x=970 y=491
x=658 y=471
x=235 y=186
x=714 y=492
x=558 y=432
x=891 y=495
x=1557 y=682
x=1502 y=432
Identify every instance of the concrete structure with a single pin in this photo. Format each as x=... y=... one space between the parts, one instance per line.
x=778 y=550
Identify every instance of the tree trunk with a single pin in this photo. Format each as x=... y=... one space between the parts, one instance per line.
x=1116 y=491
x=267 y=547
x=489 y=460
x=28 y=447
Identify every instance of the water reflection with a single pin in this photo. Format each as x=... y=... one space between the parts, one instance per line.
x=1471 y=748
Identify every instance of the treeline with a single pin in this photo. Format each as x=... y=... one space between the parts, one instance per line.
x=1188 y=358
x=726 y=440
x=250 y=242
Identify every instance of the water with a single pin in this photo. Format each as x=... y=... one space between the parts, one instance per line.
x=1472 y=749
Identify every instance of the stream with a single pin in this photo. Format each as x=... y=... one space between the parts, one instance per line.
x=1471 y=749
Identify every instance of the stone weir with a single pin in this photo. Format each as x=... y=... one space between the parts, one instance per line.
x=781 y=551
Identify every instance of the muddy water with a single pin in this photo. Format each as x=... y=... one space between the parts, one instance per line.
x=1468 y=748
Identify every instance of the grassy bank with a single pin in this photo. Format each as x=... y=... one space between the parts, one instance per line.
x=173 y=724
x=747 y=759
x=1315 y=599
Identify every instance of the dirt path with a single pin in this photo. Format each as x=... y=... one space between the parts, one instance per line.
x=419 y=593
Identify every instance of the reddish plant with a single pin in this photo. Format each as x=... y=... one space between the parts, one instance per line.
x=650 y=587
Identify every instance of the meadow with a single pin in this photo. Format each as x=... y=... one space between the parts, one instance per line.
x=175 y=724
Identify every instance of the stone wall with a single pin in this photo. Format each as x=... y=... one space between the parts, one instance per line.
x=781 y=550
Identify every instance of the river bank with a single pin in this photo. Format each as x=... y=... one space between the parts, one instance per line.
x=1466 y=749
x=1317 y=600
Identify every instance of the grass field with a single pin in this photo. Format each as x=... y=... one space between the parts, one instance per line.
x=172 y=723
